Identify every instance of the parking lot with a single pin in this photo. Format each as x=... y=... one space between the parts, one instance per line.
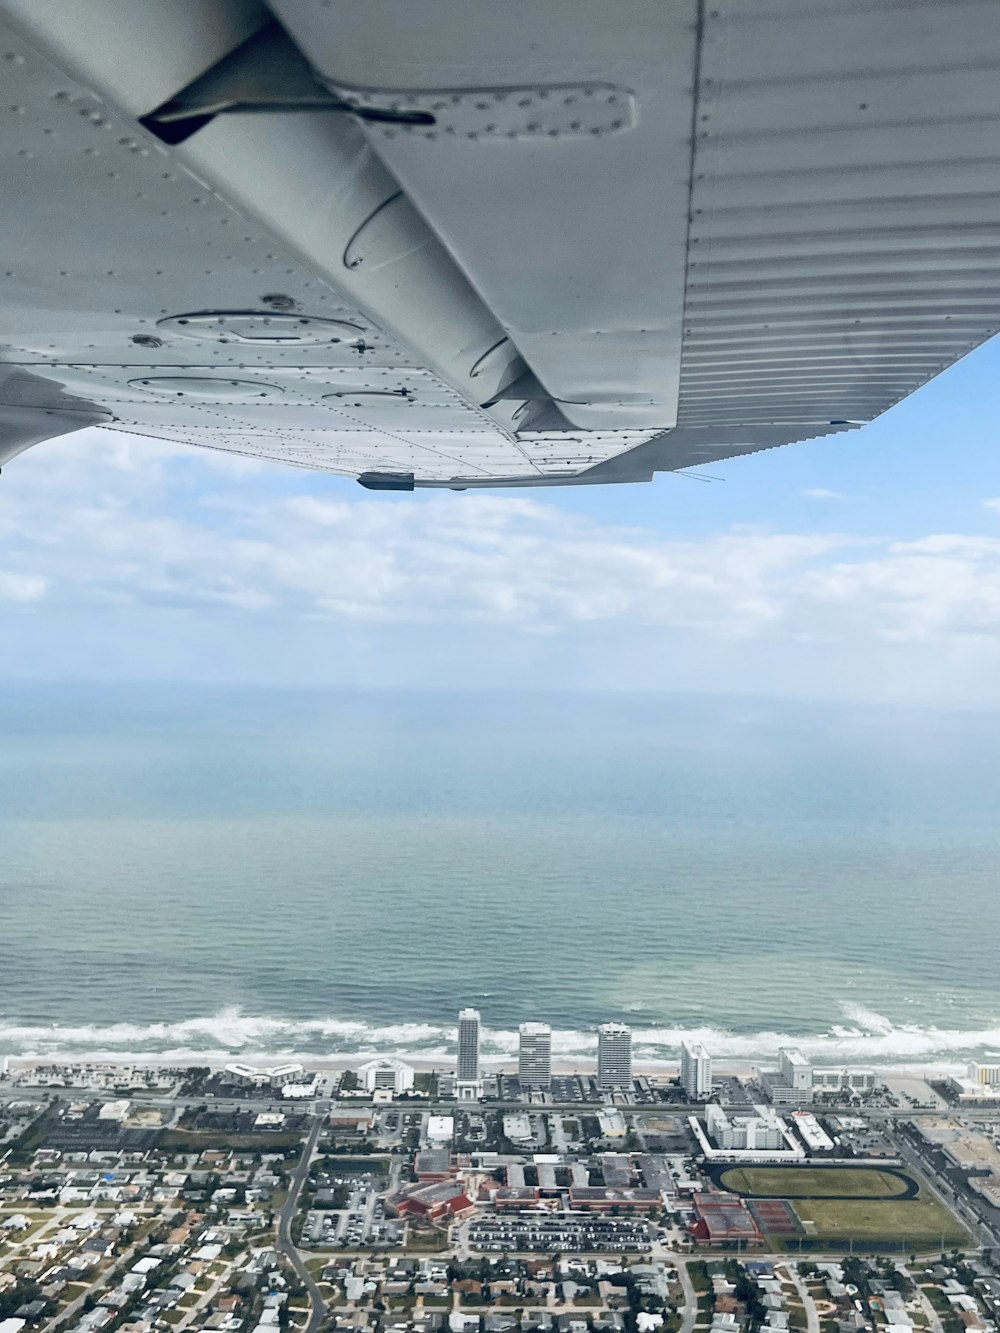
x=732 y=1092
x=570 y=1088
x=564 y=1233
x=362 y=1223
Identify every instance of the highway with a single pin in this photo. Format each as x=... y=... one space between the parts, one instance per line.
x=14 y=1092
x=960 y=1203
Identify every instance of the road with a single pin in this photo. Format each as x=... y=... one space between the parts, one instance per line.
x=559 y=1140
x=317 y=1305
x=205 y=1299
x=878 y=1115
x=812 y=1314
x=690 y=1314
x=964 y=1208
x=65 y=1316
x=933 y=1318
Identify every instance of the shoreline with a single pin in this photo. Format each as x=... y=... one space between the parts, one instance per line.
x=655 y=1070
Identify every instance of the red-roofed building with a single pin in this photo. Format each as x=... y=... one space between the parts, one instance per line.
x=724 y=1219
x=435 y=1202
x=514 y=1197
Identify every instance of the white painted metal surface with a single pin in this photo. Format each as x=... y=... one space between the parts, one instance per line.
x=132 y=247
x=845 y=223
x=560 y=182
x=634 y=237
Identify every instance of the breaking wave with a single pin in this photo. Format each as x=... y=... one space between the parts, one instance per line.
x=864 y=1037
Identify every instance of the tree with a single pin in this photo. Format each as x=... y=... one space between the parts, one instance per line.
x=900 y=1282
x=747 y=1291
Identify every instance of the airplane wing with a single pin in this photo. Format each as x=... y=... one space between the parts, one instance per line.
x=467 y=243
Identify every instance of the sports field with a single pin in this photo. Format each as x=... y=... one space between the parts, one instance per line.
x=827 y=1182
x=857 y=1206
x=919 y=1224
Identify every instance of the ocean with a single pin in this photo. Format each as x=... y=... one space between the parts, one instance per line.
x=205 y=873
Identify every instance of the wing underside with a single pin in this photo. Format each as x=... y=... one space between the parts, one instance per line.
x=492 y=244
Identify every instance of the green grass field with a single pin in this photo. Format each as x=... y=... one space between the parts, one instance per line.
x=920 y=1223
x=794 y=1182
x=839 y=1205
x=358 y=1164
x=191 y=1140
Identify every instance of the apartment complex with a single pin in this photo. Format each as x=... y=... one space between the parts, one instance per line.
x=614 y=1056
x=534 y=1056
x=696 y=1071
x=468 y=1086
x=797 y=1080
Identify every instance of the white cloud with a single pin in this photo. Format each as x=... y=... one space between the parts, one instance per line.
x=821 y=493
x=139 y=527
x=992 y=504
x=129 y=536
x=940 y=586
x=22 y=587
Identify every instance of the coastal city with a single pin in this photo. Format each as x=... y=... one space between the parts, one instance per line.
x=497 y=1196
x=500 y=666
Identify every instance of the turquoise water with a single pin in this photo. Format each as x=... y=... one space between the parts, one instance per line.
x=211 y=872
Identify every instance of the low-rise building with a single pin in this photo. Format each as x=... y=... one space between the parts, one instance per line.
x=603 y=1199
x=845 y=1078
x=114 y=1110
x=432 y=1164
x=388 y=1072
x=759 y=1135
x=797 y=1081
x=972 y=1091
x=724 y=1219
x=435 y=1202
x=812 y=1133
x=517 y=1127
x=249 y=1076
x=514 y=1198
x=761 y=1130
x=301 y=1091
x=440 y=1128
x=611 y=1122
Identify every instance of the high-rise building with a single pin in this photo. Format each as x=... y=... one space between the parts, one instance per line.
x=795 y=1069
x=534 y=1055
x=696 y=1071
x=467 y=1083
x=614 y=1056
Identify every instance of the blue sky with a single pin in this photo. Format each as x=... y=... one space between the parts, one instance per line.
x=864 y=566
